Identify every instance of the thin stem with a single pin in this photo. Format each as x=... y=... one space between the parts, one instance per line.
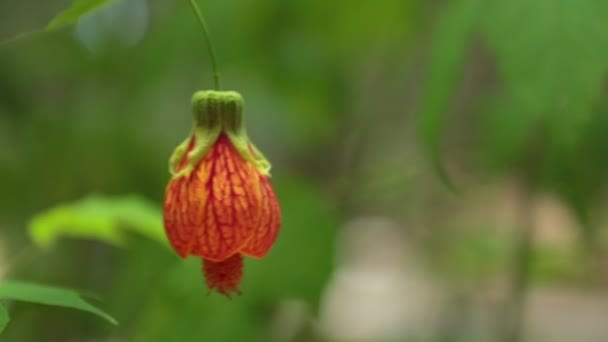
x=201 y=20
x=515 y=309
x=514 y=325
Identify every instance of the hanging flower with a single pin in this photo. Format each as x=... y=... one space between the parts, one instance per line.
x=219 y=204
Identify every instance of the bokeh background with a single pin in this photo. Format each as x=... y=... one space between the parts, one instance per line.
x=441 y=168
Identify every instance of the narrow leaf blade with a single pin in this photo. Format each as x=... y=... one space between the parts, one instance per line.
x=47 y=295
x=71 y=15
x=447 y=57
x=4 y=318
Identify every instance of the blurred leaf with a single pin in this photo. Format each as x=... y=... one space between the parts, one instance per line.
x=71 y=15
x=579 y=175
x=553 y=57
x=99 y=218
x=4 y=318
x=447 y=56
x=40 y=294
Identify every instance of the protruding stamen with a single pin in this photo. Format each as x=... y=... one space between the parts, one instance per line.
x=224 y=276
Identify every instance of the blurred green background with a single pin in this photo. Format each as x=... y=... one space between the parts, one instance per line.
x=440 y=165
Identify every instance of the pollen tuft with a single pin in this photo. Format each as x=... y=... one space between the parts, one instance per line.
x=224 y=276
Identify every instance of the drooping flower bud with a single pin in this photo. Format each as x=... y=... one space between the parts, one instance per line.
x=219 y=203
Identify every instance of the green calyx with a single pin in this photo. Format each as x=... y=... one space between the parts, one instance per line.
x=216 y=112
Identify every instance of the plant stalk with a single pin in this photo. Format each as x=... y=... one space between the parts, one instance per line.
x=207 y=35
x=514 y=314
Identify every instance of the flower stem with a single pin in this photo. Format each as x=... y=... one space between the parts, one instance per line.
x=201 y=20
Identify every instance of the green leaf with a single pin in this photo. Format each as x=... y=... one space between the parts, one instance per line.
x=71 y=15
x=99 y=218
x=4 y=318
x=552 y=57
x=40 y=294
x=447 y=55
x=579 y=174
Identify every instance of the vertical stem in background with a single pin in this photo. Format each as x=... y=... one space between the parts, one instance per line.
x=513 y=319
x=201 y=20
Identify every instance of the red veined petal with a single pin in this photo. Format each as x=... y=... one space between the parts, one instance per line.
x=213 y=211
x=270 y=222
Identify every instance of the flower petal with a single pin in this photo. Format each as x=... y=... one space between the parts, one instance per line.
x=213 y=211
x=270 y=222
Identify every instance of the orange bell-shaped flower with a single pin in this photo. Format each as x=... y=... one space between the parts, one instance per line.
x=219 y=204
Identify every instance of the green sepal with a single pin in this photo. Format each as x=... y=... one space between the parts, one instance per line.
x=261 y=162
x=177 y=155
x=216 y=112
x=248 y=151
x=204 y=138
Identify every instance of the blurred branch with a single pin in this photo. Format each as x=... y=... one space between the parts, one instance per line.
x=23 y=36
x=514 y=310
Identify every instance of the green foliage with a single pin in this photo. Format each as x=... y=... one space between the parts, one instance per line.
x=551 y=58
x=98 y=218
x=4 y=318
x=551 y=55
x=71 y=15
x=312 y=75
x=47 y=295
x=447 y=55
